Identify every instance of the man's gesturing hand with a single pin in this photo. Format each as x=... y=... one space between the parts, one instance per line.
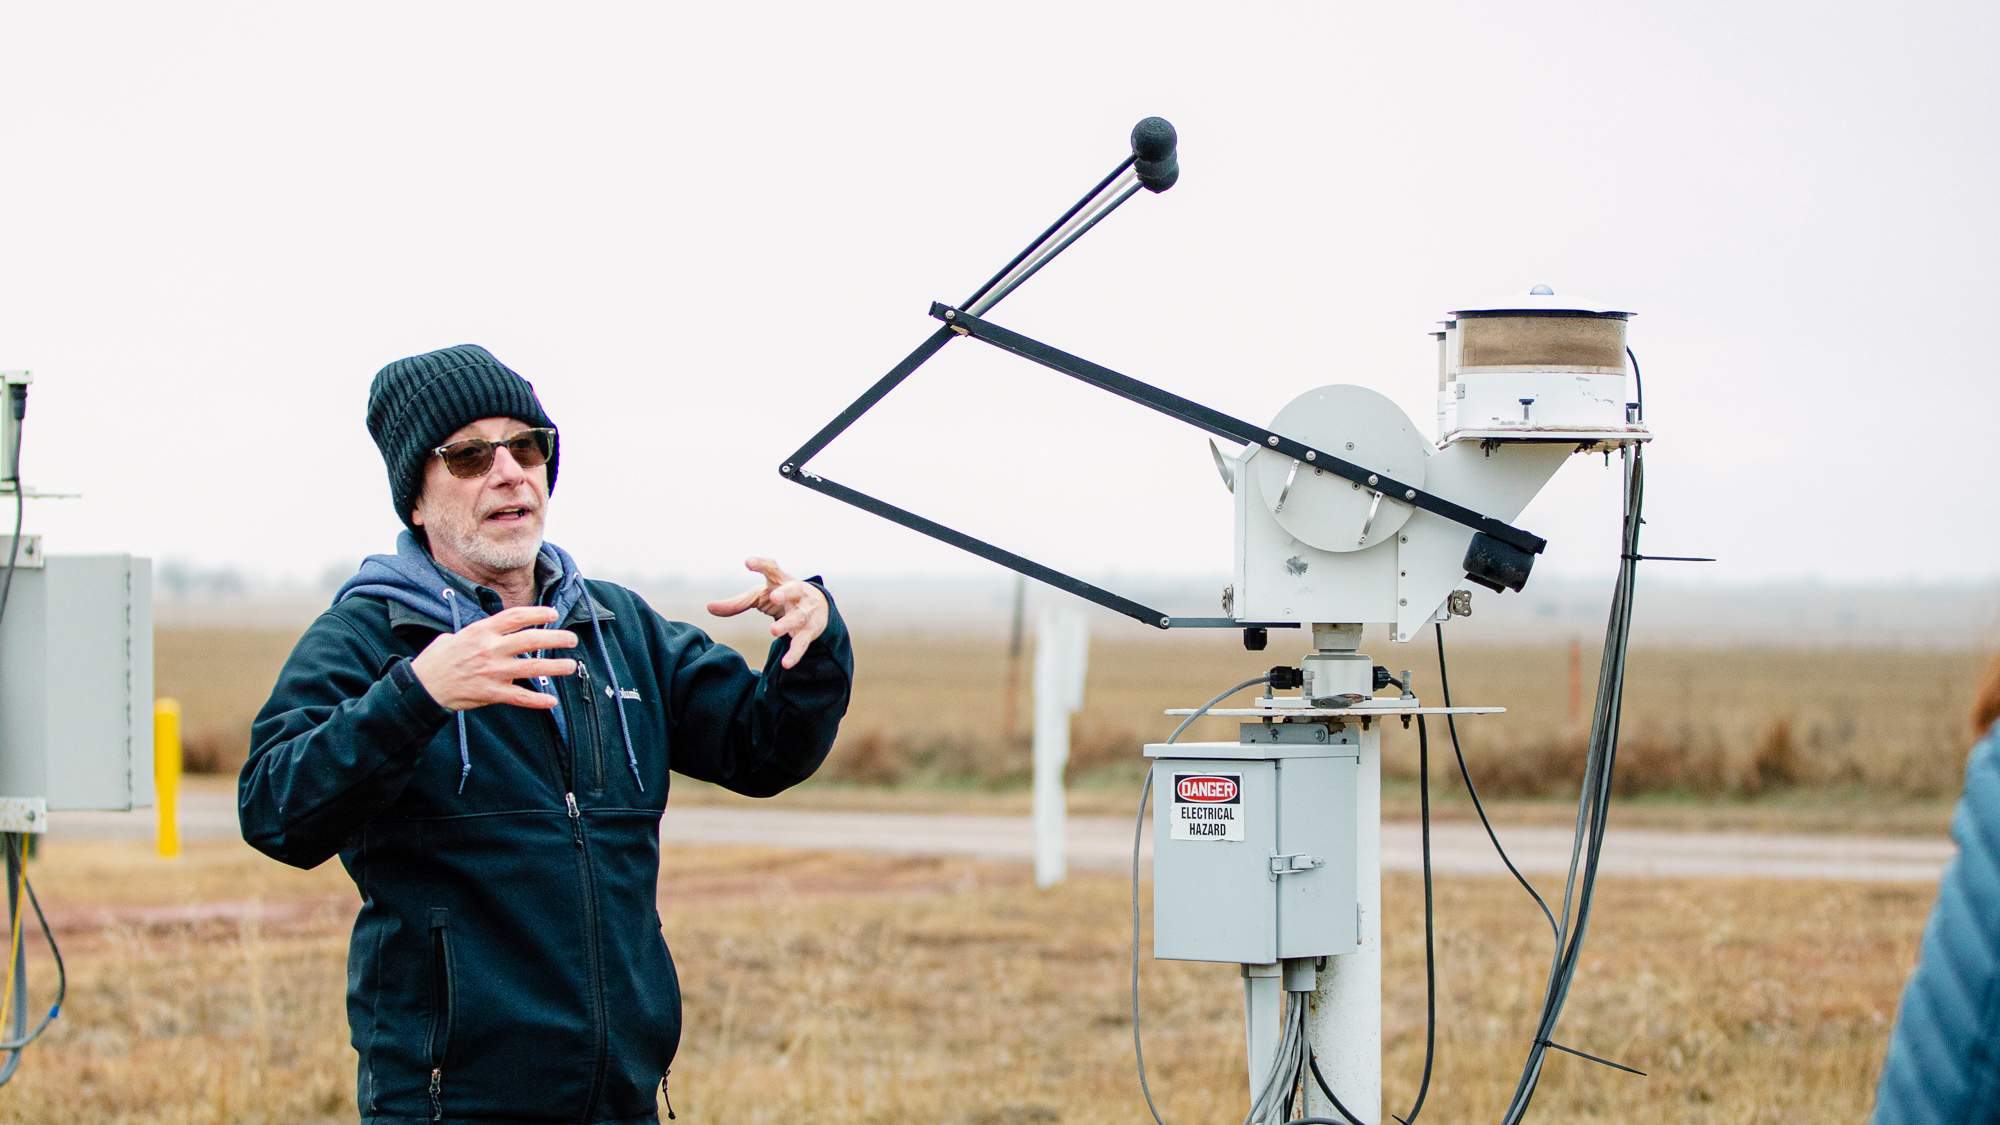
x=478 y=664
x=800 y=607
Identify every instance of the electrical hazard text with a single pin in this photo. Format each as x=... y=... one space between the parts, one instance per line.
x=1207 y=807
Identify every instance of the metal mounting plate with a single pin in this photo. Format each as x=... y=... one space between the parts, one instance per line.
x=24 y=814
x=1332 y=713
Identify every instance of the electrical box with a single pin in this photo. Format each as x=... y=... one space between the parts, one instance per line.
x=1254 y=845
x=76 y=683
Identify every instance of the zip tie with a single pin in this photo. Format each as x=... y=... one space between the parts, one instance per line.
x=1592 y=1058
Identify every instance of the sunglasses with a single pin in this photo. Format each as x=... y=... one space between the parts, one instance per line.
x=473 y=457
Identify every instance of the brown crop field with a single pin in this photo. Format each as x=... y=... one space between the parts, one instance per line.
x=1733 y=737
x=862 y=990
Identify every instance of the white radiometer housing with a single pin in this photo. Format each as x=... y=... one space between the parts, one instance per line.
x=1315 y=547
x=1535 y=364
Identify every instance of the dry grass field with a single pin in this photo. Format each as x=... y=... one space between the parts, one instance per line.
x=859 y=990
x=1824 y=740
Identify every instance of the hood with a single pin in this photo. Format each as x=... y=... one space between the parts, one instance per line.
x=412 y=578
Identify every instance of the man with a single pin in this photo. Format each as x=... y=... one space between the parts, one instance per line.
x=484 y=738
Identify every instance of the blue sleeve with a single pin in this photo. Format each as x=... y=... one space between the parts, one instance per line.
x=336 y=745
x=757 y=733
x=1944 y=1054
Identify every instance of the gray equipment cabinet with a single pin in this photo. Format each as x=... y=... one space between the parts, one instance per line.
x=1254 y=845
x=76 y=685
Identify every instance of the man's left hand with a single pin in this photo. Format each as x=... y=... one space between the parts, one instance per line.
x=800 y=607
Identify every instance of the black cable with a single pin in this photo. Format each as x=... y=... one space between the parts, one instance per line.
x=19 y=405
x=1430 y=933
x=1638 y=384
x=1594 y=799
x=62 y=972
x=1451 y=721
x=1312 y=1061
x=14 y=552
x=17 y=860
x=55 y=952
x=1430 y=960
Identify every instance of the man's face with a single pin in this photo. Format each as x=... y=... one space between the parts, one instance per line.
x=489 y=523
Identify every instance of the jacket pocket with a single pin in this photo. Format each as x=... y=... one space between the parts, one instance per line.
x=587 y=737
x=644 y=1004
x=443 y=1005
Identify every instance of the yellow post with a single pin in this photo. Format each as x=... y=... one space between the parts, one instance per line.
x=167 y=773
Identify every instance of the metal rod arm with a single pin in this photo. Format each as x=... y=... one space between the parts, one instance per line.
x=1224 y=425
x=1053 y=228
x=868 y=399
x=1145 y=615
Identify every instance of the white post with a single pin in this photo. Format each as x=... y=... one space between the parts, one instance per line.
x=1062 y=658
x=1344 y=1025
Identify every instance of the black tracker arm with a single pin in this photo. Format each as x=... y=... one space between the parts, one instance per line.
x=1153 y=165
x=1222 y=425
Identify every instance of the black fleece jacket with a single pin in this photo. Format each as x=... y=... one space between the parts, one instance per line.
x=507 y=964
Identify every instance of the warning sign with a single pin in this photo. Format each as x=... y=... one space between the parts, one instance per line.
x=1207 y=806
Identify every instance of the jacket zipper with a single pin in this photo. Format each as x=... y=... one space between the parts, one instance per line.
x=589 y=722
x=590 y=944
x=588 y=884
x=442 y=1003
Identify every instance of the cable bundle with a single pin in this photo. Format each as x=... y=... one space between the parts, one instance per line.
x=1593 y=804
x=1288 y=1067
x=14 y=1002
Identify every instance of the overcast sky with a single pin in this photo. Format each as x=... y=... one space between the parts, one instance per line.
x=701 y=229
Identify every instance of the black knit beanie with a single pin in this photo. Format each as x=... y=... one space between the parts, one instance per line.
x=416 y=403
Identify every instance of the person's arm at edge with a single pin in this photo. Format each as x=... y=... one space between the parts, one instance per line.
x=758 y=733
x=1940 y=1064
x=334 y=747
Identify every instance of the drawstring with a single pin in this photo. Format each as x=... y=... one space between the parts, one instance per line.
x=617 y=695
x=464 y=757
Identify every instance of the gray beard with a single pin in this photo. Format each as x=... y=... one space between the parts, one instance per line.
x=481 y=551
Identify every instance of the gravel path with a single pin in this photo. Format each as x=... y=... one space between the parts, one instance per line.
x=1100 y=843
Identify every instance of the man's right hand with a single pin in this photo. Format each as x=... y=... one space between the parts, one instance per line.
x=478 y=664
